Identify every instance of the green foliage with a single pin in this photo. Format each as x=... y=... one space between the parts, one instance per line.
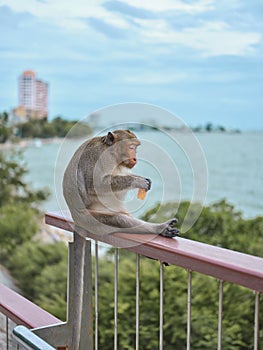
x=42 y=128
x=13 y=187
x=219 y=224
x=57 y=127
x=5 y=131
x=18 y=224
x=41 y=271
x=238 y=308
x=18 y=213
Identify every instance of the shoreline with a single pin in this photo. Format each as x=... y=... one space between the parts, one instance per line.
x=36 y=142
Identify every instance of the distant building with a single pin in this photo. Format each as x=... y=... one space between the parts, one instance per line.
x=32 y=98
x=93 y=120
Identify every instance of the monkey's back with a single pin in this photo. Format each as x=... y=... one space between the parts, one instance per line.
x=78 y=181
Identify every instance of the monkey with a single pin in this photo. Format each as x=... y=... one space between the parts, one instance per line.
x=96 y=181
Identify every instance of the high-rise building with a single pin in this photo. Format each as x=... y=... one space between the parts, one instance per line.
x=33 y=95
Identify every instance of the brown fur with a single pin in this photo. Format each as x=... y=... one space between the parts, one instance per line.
x=97 y=180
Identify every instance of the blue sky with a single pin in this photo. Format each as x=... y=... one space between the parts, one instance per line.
x=202 y=60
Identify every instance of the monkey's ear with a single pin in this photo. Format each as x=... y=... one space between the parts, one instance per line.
x=110 y=139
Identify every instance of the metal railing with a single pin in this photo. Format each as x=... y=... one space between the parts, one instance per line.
x=81 y=331
x=28 y=340
x=17 y=310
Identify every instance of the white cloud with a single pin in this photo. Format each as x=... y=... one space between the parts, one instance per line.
x=173 y=5
x=155 y=78
x=65 y=13
x=210 y=38
x=80 y=8
x=170 y=76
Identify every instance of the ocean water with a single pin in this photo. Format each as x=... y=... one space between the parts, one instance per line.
x=201 y=167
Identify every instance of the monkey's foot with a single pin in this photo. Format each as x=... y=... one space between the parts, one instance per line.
x=169 y=230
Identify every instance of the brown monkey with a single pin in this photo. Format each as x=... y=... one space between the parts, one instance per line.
x=96 y=181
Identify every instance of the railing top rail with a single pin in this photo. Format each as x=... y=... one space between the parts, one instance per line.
x=22 y=311
x=242 y=269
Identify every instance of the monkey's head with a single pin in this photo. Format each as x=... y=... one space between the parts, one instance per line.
x=123 y=144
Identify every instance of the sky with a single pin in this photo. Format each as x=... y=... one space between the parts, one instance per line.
x=200 y=60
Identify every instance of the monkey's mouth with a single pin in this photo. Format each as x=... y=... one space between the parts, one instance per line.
x=129 y=163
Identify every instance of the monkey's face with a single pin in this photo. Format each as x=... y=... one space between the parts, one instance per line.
x=123 y=145
x=130 y=159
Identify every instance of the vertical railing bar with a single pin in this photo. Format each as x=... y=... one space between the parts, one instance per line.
x=256 y=322
x=189 y=306
x=96 y=297
x=161 y=309
x=220 y=314
x=86 y=335
x=137 y=301
x=70 y=285
x=7 y=331
x=116 y=265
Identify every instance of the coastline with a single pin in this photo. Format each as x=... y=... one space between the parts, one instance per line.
x=28 y=142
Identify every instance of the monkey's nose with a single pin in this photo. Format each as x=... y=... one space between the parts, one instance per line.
x=133 y=161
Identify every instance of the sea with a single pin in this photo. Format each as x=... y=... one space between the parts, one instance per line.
x=201 y=167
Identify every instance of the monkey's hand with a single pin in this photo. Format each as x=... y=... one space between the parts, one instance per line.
x=169 y=229
x=142 y=182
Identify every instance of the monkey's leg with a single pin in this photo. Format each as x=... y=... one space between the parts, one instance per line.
x=134 y=225
x=105 y=223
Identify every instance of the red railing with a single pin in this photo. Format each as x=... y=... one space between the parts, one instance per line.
x=222 y=264
x=21 y=311
x=242 y=269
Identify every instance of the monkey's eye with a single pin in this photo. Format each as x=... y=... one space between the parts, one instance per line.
x=132 y=146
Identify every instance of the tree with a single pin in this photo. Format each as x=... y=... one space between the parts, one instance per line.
x=5 y=131
x=219 y=224
x=31 y=260
x=209 y=127
x=18 y=224
x=18 y=210
x=238 y=308
x=4 y=118
x=13 y=187
x=58 y=127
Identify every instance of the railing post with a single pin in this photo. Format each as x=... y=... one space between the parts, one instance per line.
x=256 y=320
x=80 y=302
x=138 y=259
x=161 y=308
x=220 y=314
x=96 y=298
x=116 y=270
x=189 y=309
x=7 y=331
x=77 y=332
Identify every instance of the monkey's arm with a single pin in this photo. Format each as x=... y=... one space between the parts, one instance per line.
x=124 y=182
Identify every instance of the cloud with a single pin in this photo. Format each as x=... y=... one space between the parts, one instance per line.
x=66 y=14
x=173 y=5
x=161 y=78
x=106 y=28
x=210 y=38
x=127 y=9
x=148 y=22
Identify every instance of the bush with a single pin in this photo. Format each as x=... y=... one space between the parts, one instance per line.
x=41 y=271
x=18 y=224
x=13 y=188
